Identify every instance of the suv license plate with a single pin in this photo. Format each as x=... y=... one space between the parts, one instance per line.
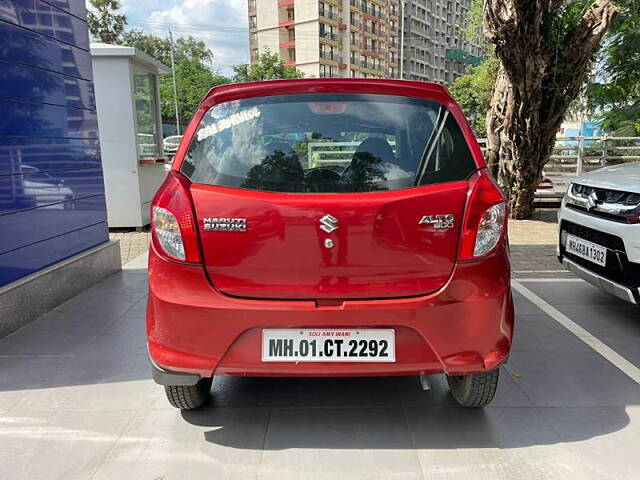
x=329 y=345
x=587 y=250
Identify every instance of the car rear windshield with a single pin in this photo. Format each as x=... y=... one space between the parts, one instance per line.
x=332 y=143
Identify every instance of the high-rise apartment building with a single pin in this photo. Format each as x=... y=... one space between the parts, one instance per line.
x=435 y=49
x=329 y=38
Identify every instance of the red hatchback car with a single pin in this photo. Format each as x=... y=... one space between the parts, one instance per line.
x=329 y=227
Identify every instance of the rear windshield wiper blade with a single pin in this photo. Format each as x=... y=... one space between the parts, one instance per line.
x=429 y=147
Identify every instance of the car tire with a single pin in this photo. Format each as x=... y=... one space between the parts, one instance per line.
x=190 y=396
x=474 y=390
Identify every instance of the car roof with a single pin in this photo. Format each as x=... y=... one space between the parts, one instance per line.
x=234 y=91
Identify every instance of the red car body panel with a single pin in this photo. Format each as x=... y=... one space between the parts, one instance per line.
x=380 y=250
x=449 y=316
x=465 y=327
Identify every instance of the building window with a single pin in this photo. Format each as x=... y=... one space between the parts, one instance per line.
x=144 y=91
x=327 y=71
x=326 y=31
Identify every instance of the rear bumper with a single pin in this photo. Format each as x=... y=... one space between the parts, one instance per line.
x=166 y=377
x=465 y=327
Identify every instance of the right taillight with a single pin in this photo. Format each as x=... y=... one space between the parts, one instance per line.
x=485 y=219
x=173 y=227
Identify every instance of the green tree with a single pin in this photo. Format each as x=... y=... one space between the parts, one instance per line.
x=193 y=81
x=615 y=92
x=268 y=67
x=160 y=47
x=546 y=50
x=105 y=21
x=473 y=90
x=193 y=70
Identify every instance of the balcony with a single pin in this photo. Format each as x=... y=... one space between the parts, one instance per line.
x=371 y=53
x=330 y=15
x=376 y=13
x=329 y=36
x=355 y=43
x=334 y=57
x=371 y=66
x=356 y=4
x=371 y=29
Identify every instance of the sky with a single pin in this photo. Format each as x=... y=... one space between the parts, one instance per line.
x=221 y=24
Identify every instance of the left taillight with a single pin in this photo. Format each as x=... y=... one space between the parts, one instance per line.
x=174 y=231
x=485 y=219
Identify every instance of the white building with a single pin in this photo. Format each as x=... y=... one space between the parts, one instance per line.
x=128 y=108
x=434 y=47
x=329 y=38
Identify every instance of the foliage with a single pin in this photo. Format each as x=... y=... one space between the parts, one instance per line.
x=160 y=47
x=105 y=21
x=473 y=93
x=615 y=91
x=268 y=67
x=473 y=22
x=194 y=76
x=193 y=81
x=545 y=51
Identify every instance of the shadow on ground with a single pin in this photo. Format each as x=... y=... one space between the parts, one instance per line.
x=90 y=353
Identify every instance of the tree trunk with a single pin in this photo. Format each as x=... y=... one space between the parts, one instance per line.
x=539 y=77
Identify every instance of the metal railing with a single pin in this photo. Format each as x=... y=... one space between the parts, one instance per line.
x=329 y=36
x=374 y=12
x=331 y=56
x=573 y=156
x=333 y=153
x=330 y=15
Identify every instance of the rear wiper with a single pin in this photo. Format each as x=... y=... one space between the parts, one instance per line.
x=443 y=114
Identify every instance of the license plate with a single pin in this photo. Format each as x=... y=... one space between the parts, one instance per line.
x=587 y=250
x=329 y=345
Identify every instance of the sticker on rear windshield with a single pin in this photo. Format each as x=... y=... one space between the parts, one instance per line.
x=226 y=123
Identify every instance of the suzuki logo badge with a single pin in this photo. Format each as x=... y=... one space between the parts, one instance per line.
x=329 y=223
x=591 y=201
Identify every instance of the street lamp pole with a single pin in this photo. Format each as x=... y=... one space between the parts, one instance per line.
x=175 y=88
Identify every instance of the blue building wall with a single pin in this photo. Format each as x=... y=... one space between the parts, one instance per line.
x=52 y=203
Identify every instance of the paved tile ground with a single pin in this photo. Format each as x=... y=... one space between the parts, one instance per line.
x=133 y=243
x=77 y=402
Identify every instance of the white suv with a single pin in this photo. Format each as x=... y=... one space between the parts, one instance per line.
x=600 y=230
